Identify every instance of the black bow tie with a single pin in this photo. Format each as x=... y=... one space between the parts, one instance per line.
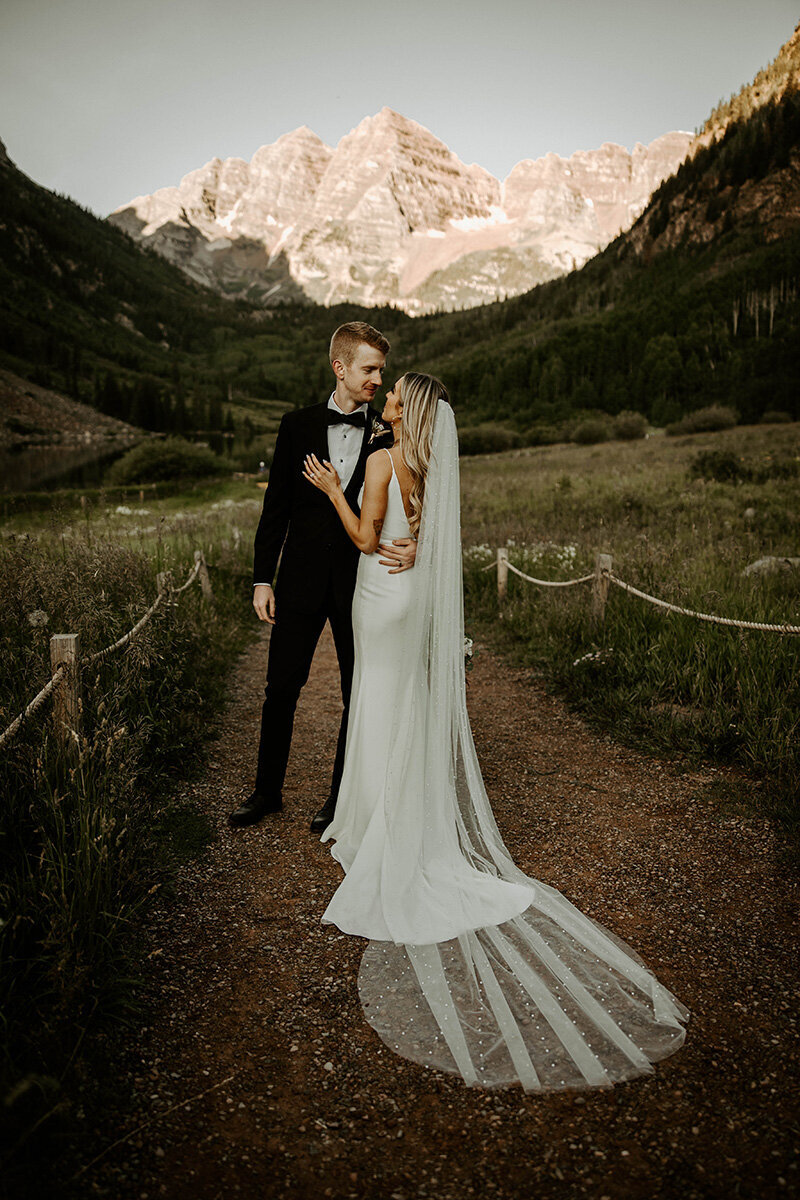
x=355 y=418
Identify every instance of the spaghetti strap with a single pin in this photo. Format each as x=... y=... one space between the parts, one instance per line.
x=397 y=481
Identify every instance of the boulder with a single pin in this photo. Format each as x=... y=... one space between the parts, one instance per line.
x=771 y=565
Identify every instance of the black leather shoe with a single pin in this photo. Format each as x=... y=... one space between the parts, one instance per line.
x=254 y=808
x=323 y=818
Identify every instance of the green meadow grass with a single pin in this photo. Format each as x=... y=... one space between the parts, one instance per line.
x=671 y=683
x=90 y=835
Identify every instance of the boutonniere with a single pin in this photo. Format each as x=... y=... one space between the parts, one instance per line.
x=378 y=430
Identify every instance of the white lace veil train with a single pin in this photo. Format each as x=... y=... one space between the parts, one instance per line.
x=541 y=995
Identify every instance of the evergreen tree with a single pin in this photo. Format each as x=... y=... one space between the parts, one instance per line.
x=215 y=413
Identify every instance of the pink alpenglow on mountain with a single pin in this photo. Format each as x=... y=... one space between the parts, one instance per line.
x=392 y=216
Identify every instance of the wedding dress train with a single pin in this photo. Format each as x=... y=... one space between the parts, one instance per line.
x=472 y=966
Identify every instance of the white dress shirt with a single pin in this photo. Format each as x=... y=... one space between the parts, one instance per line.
x=344 y=445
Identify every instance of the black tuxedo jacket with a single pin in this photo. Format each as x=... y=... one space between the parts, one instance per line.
x=300 y=519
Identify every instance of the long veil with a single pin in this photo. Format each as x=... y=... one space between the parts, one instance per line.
x=489 y=974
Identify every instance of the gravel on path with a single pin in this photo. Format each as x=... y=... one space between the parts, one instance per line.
x=256 y=1074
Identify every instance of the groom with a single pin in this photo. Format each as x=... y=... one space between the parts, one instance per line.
x=319 y=562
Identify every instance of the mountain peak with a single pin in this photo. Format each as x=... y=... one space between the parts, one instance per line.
x=387 y=122
x=389 y=115
x=302 y=135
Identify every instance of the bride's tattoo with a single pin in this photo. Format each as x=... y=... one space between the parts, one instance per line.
x=377 y=526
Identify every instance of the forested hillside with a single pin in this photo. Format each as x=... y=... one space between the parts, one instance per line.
x=87 y=312
x=698 y=302
x=782 y=75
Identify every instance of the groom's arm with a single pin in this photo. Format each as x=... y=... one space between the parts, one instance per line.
x=276 y=511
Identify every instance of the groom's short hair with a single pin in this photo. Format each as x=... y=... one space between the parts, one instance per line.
x=349 y=336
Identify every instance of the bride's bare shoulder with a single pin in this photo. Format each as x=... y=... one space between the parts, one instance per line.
x=378 y=467
x=404 y=476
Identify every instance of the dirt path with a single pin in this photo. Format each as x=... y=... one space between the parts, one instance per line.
x=254 y=999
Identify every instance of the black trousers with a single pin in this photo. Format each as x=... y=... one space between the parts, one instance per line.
x=293 y=640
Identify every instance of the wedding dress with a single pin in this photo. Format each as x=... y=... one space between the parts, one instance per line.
x=472 y=966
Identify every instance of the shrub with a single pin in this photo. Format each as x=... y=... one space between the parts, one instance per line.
x=486 y=439
x=723 y=466
x=775 y=468
x=630 y=425
x=543 y=435
x=165 y=459
x=705 y=420
x=776 y=417
x=590 y=431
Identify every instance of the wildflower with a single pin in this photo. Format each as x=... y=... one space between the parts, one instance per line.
x=38 y=618
x=593 y=656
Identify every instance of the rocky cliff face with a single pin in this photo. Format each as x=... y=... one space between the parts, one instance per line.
x=388 y=182
x=596 y=193
x=393 y=216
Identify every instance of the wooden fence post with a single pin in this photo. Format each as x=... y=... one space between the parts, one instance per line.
x=164 y=581
x=65 y=649
x=205 y=582
x=502 y=574
x=602 y=563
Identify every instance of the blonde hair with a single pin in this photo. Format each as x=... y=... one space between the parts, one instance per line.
x=348 y=337
x=419 y=396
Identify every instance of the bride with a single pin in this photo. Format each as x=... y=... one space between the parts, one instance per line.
x=472 y=966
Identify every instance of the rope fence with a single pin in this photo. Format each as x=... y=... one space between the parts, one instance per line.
x=126 y=637
x=550 y=582
x=700 y=616
x=600 y=579
x=66 y=663
x=37 y=702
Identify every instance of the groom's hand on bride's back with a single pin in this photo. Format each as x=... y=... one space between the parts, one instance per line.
x=399 y=554
x=264 y=602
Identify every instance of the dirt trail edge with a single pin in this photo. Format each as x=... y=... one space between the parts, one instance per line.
x=255 y=1018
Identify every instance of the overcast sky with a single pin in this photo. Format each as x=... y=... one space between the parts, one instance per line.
x=105 y=100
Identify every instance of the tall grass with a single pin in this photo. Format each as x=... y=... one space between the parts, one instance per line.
x=89 y=836
x=665 y=681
